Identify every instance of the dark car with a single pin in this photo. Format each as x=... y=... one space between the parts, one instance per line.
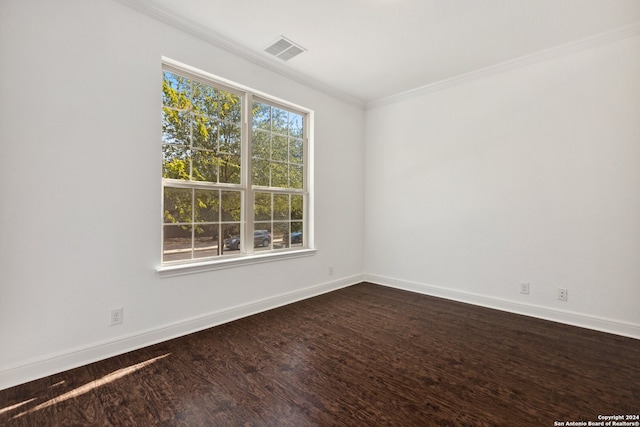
x=260 y=238
x=296 y=237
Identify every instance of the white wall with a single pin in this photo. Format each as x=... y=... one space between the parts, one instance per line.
x=80 y=189
x=529 y=175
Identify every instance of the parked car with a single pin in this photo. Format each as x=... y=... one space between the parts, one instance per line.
x=296 y=237
x=260 y=238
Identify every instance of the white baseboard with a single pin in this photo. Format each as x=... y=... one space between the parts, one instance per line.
x=55 y=363
x=601 y=324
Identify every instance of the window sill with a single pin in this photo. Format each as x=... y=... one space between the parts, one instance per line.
x=218 y=264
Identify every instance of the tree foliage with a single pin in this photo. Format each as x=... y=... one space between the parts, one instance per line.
x=201 y=141
x=200 y=131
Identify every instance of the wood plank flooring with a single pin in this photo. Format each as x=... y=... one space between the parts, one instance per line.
x=362 y=356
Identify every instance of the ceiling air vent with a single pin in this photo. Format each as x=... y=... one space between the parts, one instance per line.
x=284 y=49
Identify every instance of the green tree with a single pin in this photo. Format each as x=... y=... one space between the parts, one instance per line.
x=277 y=147
x=200 y=131
x=200 y=142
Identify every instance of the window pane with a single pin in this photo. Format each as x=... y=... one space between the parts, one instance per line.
x=296 y=178
x=260 y=172
x=204 y=100
x=279 y=175
x=206 y=241
x=175 y=162
x=231 y=235
x=261 y=145
x=279 y=149
x=296 y=207
x=295 y=125
x=296 y=234
x=262 y=206
x=261 y=116
x=207 y=205
x=280 y=207
x=231 y=201
x=279 y=120
x=204 y=132
x=262 y=236
x=216 y=103
x=230 y=106
x=177 y=242
x=280 y=235
x=177 y=205
x=295 y=151
x=229 y=138
x=176 y=91
x=176 y=126
x=229 y=169
x=205 y=166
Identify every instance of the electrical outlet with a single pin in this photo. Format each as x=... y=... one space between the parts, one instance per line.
x=524 y=288
x=116 y=316
x=562 y=294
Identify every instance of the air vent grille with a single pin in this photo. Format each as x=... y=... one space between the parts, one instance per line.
x=284 y=49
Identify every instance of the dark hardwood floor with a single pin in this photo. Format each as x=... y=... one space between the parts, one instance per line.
x=362 y=356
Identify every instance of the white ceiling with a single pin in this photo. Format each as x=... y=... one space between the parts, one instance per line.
x=372 y=49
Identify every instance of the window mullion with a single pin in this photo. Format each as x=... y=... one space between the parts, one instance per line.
x=193 y=223
x=247 y=208
x=190 y=116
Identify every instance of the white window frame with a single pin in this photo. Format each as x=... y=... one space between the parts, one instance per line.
x=248 y=256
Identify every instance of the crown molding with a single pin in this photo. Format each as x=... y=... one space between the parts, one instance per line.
x=214 y=38
x=168 y=17
x=538 y=57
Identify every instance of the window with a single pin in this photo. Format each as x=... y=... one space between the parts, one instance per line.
x=234 y=170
